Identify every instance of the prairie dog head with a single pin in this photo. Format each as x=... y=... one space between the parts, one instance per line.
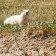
x=25 y=12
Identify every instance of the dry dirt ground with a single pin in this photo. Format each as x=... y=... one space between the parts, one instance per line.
x=28 y=42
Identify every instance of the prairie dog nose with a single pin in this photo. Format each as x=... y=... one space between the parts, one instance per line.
x=26 y=13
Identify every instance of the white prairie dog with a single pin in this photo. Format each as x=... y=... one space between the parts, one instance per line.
x=21 y=19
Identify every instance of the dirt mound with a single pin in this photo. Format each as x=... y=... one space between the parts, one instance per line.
x=28 y=42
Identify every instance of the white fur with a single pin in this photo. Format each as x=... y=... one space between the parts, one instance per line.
x=18 y=19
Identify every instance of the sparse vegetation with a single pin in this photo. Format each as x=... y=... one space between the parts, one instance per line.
x=36 y=24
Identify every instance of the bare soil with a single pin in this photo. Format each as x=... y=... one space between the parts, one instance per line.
x=28 y=42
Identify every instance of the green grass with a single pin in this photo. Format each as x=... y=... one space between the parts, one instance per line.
x=17 y=28
x=11 y=28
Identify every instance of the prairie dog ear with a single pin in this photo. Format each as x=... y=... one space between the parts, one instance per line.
x=28 y=9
